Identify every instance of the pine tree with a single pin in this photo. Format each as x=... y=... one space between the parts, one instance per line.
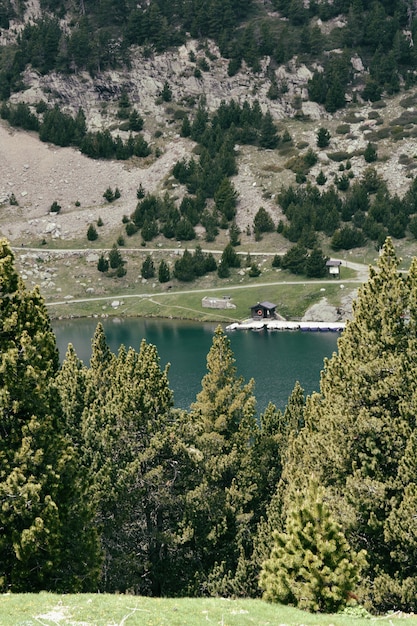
x=225 y=198
x=148 y=268
x=357 y=429
x=164 y=274
x=135 y=121
x=234 y=232
x=47 y=540
x=109 y=194
x=269 y=454
x=223 y=428
x=254 y=270
x=311 y=565
x=263 y=222
x=166 y=93
x=140 y=192
x=71 y=382
x=102 y=264
x=295 y=259
x=199 y=261
x=184 y=268
x=321 y=178
x=80 y=127
x=223 y=270
x=323 y=138
x=316 y=264
x=268 y=137
x=229 y=257
x=115 y=258
x=335 y=96
x=92 y=233
x=138 y=462
x=370 y=154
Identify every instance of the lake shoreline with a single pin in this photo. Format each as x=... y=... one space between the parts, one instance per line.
x=184 y=345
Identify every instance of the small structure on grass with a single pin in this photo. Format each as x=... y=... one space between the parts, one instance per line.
x=263 y=310
x=333 y=267
x=210 y=302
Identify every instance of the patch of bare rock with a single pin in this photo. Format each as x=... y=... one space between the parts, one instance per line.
x=323 y=311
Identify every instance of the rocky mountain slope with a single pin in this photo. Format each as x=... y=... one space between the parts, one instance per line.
x=39 y=174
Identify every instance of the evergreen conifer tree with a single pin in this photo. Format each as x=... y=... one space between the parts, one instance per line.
x=370 y=154
x=358 y=428
x=115 y=258
x=224 y=427
x=268 y=137
x=47 y=539
x=311 y=565
x=263 y=222
x=71 y=383
x=225 y=198
x=148 y=268
x=138 y=463
x=229 y=256
x=163 y=272
x=316 y=264
x=92 y=233
x=184 y=267
x=234 y=232
x=102 y=263
x=323 y=137
x=199 y=261
x=321 y=178
x=269 y=455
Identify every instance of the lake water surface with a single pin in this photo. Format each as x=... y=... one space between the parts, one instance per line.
x=276 y=360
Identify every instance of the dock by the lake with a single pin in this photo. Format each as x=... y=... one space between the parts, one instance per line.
x=277 y=325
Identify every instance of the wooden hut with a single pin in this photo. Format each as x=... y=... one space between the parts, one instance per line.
x=333 y=267
x=263 y=310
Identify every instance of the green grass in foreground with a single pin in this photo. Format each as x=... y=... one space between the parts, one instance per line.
x=117 y=610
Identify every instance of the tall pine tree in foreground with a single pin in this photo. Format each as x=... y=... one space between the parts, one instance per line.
x=223 y=428
x=139 y=468
x=358 y=433
x=47 y=539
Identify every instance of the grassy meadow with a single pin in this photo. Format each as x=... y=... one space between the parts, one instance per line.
x=72 y=286
x=47 y=609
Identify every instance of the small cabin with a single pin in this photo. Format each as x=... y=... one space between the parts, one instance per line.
x=263 y=310
x=333 y=267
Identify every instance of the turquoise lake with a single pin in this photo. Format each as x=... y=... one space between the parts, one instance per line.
x=276 y=360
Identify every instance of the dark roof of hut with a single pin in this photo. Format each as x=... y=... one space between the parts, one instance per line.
x=333 y=263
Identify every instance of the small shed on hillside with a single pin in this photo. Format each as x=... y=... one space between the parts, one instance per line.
x=263 y=310
x=333 y=267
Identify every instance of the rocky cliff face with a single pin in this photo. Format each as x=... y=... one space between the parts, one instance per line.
x=144 y=81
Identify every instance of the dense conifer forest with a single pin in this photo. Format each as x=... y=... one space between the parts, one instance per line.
x=100 y=36
x=105 y=486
